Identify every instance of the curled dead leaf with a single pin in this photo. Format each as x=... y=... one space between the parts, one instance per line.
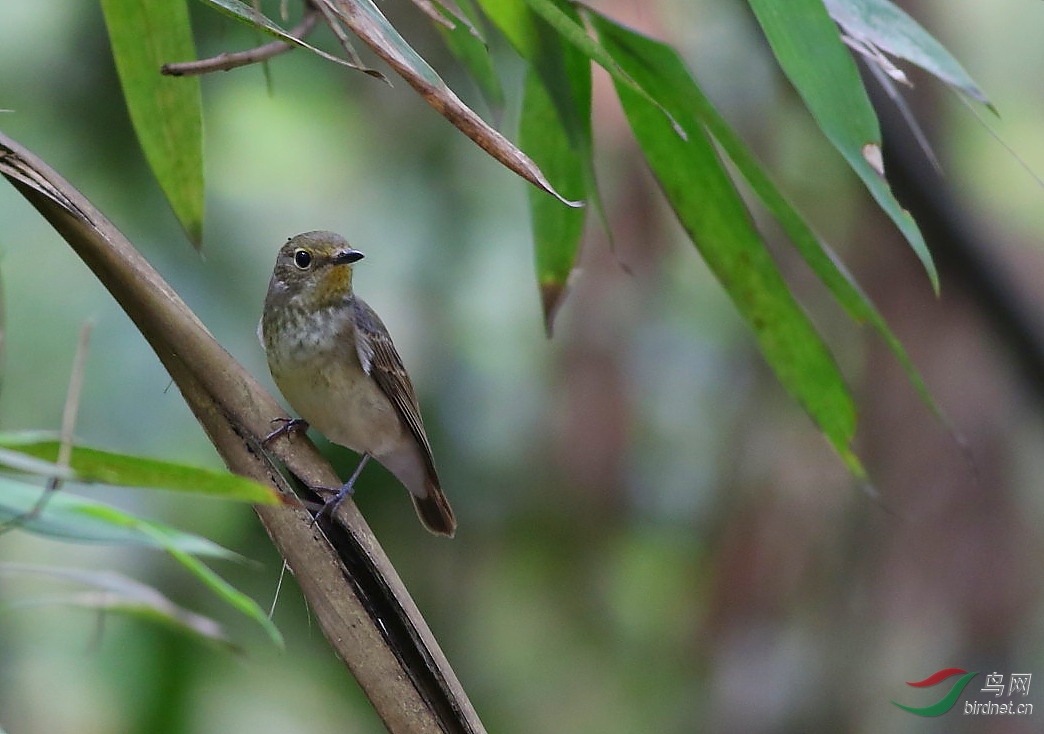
x=367 y=22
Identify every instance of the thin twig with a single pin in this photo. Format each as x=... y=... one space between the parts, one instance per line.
x=72 y=403
x=278 y=589
x=228 y=61
x=65 y=443
x=333 y=21
x=428 y=8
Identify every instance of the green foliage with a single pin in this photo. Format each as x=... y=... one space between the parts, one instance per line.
x=64 y=516
x=109 y=591
x=93 y=465
x=809 y=50
x=712 y=212
x=69 y=517
x=167 y=113
x=876 y=27
x=677 y=129
x=555 y=129
x=467 y=43
x=557 y=229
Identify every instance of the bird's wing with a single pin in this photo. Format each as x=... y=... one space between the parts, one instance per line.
x=381 y=361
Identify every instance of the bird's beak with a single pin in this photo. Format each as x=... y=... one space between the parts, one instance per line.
x=346 y=257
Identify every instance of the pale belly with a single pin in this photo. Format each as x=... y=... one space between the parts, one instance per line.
x=342 y=403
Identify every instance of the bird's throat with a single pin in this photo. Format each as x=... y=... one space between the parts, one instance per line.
x=334 y=285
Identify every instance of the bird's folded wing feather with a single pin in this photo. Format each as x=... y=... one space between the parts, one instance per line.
x=381 y=361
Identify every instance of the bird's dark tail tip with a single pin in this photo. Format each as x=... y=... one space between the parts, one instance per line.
x=434 y=511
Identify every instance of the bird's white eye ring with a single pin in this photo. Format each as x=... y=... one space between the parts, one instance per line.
x=302 y=259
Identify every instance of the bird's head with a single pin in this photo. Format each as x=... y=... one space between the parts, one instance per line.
x=315 y=267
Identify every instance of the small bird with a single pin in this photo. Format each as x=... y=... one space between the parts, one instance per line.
x=333 y=360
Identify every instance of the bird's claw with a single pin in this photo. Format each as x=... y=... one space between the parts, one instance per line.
x=345 y=491
x=286 y=426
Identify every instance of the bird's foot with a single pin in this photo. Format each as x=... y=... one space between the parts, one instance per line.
x=346 y=491
x=286 y=425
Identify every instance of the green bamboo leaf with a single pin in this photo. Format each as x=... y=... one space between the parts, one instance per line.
x=525 y=23
x=882 y=24
x=713 y=213
x=560 y=68
x=806 y=43
x=31 y=465
x=472 y=51
x=113 y=592
x=557 y=229
x=166 y=112
x=823 y=262
x=159 y=610
x=68 y=517
x=93 y=465
x=563 y=17
x=366 y=20
x=72 y=518
x=563 y=148
x=228 y=593
x=516 y=22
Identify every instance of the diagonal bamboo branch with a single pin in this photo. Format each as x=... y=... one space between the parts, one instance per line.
x=352 y=588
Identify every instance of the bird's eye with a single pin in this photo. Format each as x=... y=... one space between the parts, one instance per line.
x=303 y=259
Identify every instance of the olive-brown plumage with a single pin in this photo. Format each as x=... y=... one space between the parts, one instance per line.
x=333 y=360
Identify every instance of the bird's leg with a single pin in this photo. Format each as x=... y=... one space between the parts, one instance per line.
x=346 y=489
x=286 y=425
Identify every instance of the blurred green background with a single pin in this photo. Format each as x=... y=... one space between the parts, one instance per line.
x=653 y=536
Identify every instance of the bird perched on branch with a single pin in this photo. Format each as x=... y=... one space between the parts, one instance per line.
x=334 y=362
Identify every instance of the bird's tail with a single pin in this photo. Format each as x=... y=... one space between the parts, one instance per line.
x=434 y=510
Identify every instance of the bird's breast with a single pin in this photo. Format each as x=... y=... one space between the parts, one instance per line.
x=315 y=364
